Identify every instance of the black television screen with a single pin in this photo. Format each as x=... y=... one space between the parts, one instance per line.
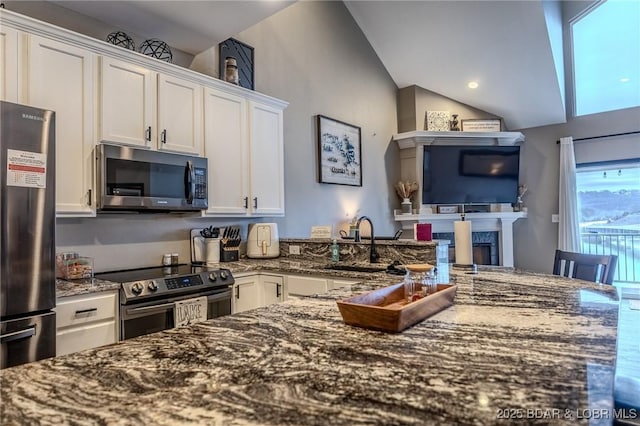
x=470 y=175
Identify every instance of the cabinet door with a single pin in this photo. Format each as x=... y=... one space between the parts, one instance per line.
x=85 y=337
x=305 y=286
x=179 y=115
x=246 y=294
x=272 y=289
x=331 y=284
x=226 y=148
x=8 y=64
x=267 y=160
x=127 y=104
x=86 y=321
x=61 y=78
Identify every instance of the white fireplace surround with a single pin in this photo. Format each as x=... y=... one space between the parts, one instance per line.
x=502 y=222
x=411 y=146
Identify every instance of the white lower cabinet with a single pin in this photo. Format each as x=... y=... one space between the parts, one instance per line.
x=332 y=284
x=298 y=285
x=272 y=289
x=255 y=291
x=86 y=321
x=246 y=294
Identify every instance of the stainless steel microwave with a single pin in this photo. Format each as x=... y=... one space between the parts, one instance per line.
x=142 y=180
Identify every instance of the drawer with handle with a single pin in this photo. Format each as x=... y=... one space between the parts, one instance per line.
x=83 y=309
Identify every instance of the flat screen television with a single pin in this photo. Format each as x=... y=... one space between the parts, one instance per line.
x=470 y=175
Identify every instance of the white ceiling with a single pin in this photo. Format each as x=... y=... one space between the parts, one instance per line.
x=188 y=25
x=437 y=45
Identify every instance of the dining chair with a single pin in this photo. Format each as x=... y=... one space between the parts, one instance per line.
x=590 y=267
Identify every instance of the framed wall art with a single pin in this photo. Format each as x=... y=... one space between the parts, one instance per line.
x=243 y=54
x=484 y=125
x=437 y=121
x=339 y=152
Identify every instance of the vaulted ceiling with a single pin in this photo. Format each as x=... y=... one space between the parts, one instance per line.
x=512 y=49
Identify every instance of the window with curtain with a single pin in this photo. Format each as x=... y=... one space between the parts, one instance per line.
x=606 y=54
x=609 y=213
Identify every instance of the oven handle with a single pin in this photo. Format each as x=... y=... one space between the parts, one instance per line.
x=166 y=306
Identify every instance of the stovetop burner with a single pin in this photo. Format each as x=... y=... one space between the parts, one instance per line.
x=151 y=273
x=151 y=283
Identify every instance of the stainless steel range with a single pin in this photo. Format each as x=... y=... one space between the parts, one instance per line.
x=148 y=296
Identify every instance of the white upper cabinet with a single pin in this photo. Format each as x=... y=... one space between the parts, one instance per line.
x=142 y=108
x=61 y=77
x=244 y=145
x=267 y=159
x=179 y=115
x=226 y=148
x=103 y=93
x=127 y=104
x=8 y=64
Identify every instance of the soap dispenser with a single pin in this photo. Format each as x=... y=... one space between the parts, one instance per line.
x=335 y=251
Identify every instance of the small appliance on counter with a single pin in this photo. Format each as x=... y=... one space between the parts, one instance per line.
x=230 y=244
x=262 y=241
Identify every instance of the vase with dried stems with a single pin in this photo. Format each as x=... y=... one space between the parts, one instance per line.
x=405 y=190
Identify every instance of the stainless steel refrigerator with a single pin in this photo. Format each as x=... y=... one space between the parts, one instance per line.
x=27 y=221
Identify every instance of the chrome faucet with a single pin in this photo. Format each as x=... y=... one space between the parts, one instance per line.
x=373 y=255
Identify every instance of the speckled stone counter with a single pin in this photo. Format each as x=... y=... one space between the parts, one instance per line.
x=72 y=288
x=512 y=344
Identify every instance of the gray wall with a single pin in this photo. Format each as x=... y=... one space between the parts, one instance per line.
x=314 y=56
x=536 y=237
x=414 y=102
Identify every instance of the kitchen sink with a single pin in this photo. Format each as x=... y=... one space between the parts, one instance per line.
x=357 y=268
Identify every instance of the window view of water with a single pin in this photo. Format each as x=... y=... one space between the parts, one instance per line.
x=609 y=206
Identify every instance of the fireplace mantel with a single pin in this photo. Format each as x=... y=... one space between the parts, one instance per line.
x=480 y=222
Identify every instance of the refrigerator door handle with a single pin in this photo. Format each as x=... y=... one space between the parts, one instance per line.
x=17 y=335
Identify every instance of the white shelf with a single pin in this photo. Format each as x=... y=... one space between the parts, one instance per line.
x=448 y=217
x=420 y=137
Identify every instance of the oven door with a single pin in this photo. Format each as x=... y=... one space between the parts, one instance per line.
x=150 y=317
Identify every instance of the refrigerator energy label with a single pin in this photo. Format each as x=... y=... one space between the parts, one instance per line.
x=28 y=169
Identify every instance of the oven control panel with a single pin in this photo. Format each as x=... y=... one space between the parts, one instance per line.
x=182 y=282
x=176 y=284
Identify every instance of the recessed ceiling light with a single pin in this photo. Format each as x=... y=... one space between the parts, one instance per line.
x=472 y=85
x=624 y=79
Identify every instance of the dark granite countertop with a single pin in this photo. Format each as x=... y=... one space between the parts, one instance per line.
x=278 y=266
x=514 y=344
x=66 y=288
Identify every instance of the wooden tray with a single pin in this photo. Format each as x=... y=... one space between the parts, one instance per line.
x=386 y=309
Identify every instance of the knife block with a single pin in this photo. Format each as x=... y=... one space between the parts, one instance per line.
x=229 y=250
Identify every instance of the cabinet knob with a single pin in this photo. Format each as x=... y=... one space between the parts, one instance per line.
x=163 y=136
x=255 y=202
x=148 y=134
x=246 y=202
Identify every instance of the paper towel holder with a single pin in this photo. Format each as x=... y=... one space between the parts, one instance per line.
x=471 y=268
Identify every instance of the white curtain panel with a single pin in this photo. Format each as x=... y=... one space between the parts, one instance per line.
x=568 y=230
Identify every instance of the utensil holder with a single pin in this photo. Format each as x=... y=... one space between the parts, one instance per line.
x=211 y=250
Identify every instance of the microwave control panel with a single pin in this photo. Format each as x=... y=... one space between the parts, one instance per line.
x=200 y=183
